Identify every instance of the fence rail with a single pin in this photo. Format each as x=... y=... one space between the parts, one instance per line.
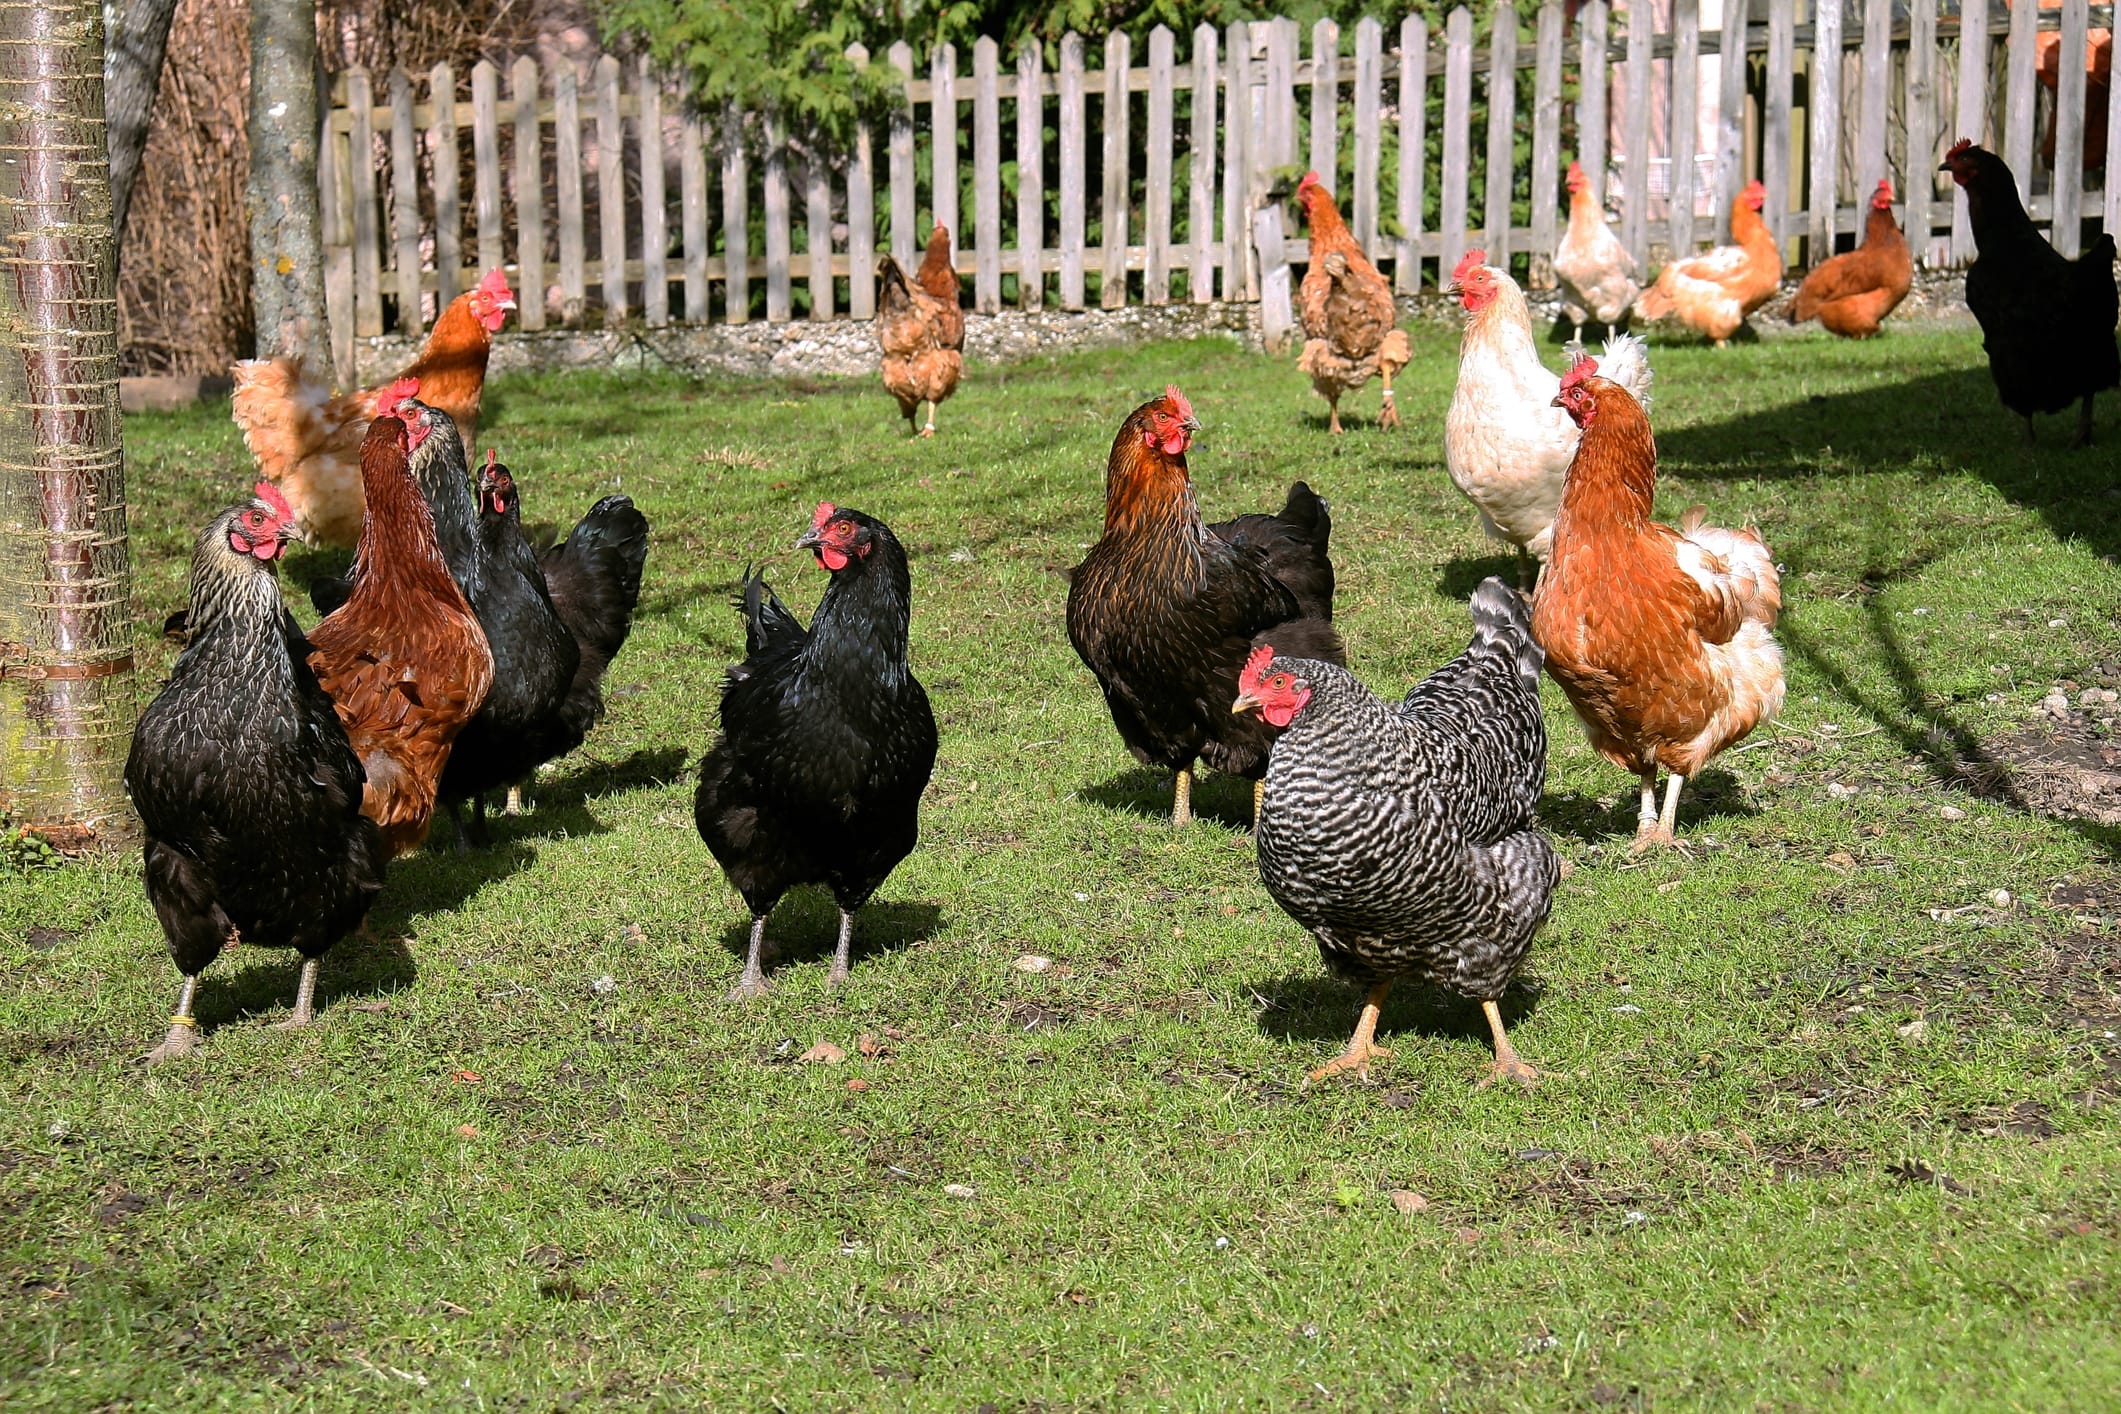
x=612 y=199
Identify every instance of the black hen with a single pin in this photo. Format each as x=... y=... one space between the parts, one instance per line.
x=1403 y=836
x=1165 y=608
x=2047 y=322
x=827 y=738
x=248 y=792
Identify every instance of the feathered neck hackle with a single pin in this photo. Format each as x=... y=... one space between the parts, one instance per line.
x=440 y=469
x=936 y=275
x=867 y=609
x=1613 y=479
x=230 y=587
x=1147 y=490
x=1323 y=214
x=412 y=563
x=1506 y=311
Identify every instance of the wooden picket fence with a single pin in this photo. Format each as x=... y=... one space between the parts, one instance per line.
x=1163 y=171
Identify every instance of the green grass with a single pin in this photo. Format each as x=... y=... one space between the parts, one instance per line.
x=1750 y=1180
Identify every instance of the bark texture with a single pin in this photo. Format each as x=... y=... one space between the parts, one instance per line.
x=66 y=667
x=286 y=244
x=132 y=74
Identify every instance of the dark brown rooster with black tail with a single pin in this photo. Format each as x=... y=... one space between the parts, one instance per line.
x=248 y=792
x=1166 y=609
x=1402 y=835
x=827 y=738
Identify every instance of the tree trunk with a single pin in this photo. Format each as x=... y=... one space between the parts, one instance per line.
x=132 y=73
x=66 y=665
x=286 y=245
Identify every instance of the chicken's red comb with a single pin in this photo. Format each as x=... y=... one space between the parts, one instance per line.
x=1755 y=188
x=1178 y=401
x=492 y=455
x=1583 y=368
x=1575 y=171
x=1469 y=262
x=1311 y=179
x=398 y=392
x=824 y=513
x=270 y=495
x=1958 y=147
x=496 y=283
x=1255 y=669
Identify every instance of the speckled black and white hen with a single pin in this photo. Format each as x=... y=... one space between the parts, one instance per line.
x=1402 y=835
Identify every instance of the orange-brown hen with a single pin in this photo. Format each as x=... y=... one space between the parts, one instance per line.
x=1851 y=293
x=921 y=333
x=308 y=442
x=1351 y=326
x=1714 y=291
x=1660 y=637
x=403 y=658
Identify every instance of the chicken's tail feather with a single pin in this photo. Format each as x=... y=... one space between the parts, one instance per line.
x=280 y=408
x=1501 y=617
x=1309 y=514
x=614 y=535
x=768 y=625
x=1625 y=360
x=1654 y=302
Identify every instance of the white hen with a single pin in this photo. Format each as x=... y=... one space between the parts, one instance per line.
x=1506 y=444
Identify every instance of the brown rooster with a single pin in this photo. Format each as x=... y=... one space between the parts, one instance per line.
x=308 y=442
x=1714 y=291
x=1660 y=637
x=1165 y=610
x=921 y=334
x=403 y=658
x=1851 y=293
x=1351 y=326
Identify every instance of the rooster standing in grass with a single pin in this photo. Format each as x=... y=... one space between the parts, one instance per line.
x=248 y=791
x=1165 y=608
x=827 y=738
x=1661 y=638
x=1402 y=835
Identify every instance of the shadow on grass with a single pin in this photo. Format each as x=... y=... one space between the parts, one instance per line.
x=1309 y=1006
x=1457 y=579
x=1227 y=800
x=247 y=981
x=1713 y=793
x=806 y=924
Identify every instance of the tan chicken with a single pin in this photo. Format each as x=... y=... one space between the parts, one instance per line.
x=1594 y=270
x=1351 y=326
x=1851 y=293
x=914 y=327
x=1715 y=291
x=308 y=443
x=1660 y=637
x=939 y=278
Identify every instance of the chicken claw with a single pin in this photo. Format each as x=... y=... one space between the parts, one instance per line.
x=753 y=982
x=305 y=1010
x=183 y=1037
x=1362 y=1046
x=1508 y=1064
x=1388 y=415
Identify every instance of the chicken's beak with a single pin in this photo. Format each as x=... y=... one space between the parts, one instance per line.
x=1245 y=703
x=1192 y=423
x=1557 y=403
x=808 y=540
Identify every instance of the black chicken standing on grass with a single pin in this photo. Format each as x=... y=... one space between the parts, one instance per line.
x=1402 y=835
x=247 y=789
x=827 y=738
x=2047 y=322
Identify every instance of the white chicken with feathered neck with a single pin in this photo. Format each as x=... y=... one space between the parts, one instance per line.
x=1505 y=444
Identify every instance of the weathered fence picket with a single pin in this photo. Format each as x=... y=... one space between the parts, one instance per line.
x=1819 y=111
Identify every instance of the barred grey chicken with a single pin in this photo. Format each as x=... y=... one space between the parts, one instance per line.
x=1402 y=836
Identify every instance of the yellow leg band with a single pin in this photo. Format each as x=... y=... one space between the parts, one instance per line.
x=192 y=1022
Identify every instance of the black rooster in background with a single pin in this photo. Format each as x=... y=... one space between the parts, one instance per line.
x=248 y=791
x=2047 y=322
x=827 y=738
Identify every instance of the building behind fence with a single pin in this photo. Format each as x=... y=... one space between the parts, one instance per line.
x=1152 y=177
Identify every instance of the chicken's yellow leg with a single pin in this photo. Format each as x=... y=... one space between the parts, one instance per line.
x=1362 y=1046
x=1182 y=798
x=1259 y=798
x=1508 y=1064
x=1388 y=414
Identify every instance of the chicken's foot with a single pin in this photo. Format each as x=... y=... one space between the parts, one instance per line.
x=515 y=800
x=1362 y=1046
x=840 y=952
x=753 y=982
x=1508 y=1064
x=1259 y=798
x=183 y=1037
x=1388 y=412
x=1656 y=828
x=1334 y=426
x=305 y=999
x=929 y=430
x=1182 y=798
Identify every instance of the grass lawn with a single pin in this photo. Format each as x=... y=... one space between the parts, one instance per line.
x=1832 y=1115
